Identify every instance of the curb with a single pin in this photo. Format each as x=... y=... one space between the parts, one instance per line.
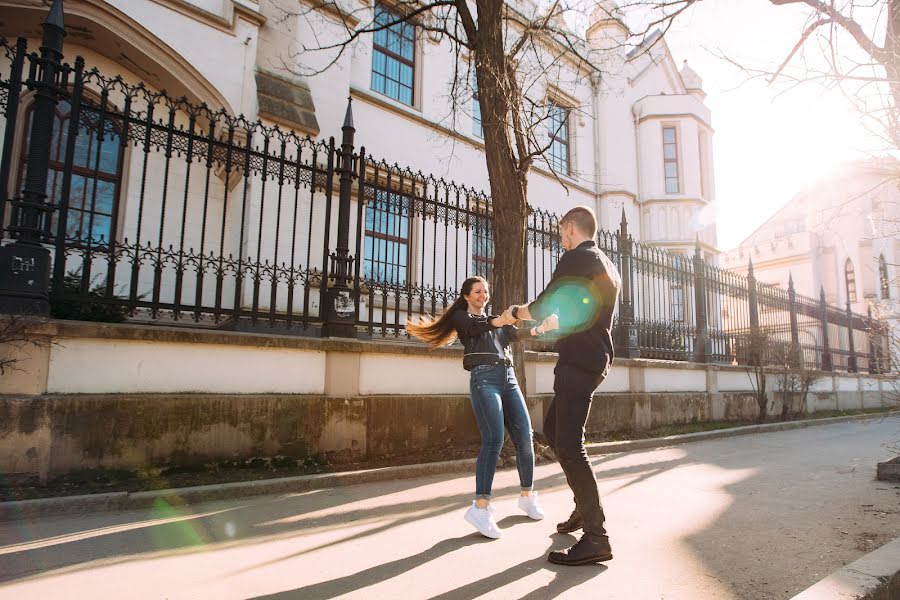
x=30 y=509
x=684 y=438
x=875 y=576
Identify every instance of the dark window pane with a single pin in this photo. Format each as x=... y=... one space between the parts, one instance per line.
x=387 y=238
x=393 y=58
x=378 y=83
x=406 y=95
x=83 y=143
x=100 y=228
x=89 y=214
x=105 y=197
x=76 y=192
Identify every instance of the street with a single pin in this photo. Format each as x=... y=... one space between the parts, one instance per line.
x=756 y=516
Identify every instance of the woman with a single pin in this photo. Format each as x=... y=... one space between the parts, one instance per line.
x=494 y=391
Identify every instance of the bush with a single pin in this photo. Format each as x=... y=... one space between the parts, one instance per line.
x=72 y=303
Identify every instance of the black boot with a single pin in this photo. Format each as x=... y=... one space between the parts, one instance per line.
x=591 y=548
x=573 y=523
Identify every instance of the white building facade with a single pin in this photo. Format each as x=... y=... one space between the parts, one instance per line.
x=637 y=138
x=840 y=236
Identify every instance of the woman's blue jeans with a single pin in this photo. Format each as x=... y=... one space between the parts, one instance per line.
x=497 y=400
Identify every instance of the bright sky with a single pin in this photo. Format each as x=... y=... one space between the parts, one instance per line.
x=767 y=146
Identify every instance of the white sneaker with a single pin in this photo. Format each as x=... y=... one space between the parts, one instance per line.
x=482 y=519
x=530 y=505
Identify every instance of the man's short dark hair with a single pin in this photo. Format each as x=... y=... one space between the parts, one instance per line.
x=584 y=220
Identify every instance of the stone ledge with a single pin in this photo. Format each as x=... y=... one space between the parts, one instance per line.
x=889 y=470
x=179 y=335
x=184 y=335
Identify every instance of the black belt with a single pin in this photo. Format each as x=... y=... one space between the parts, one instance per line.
x=505 y=362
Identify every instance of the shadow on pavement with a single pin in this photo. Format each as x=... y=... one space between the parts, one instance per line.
x=565 y=579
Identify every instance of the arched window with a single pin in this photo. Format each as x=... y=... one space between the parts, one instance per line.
x=96 y=173
x=850 y=280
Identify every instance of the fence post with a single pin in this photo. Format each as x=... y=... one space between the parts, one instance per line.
x=874 y=355
x=851 y=360
x=626 y=335
x=796 y=358
x=827 y=364
x=702 y=335
x=340 y=308
x=12 y=113
x=753 y=305
x=25 y=264
x=752 y=299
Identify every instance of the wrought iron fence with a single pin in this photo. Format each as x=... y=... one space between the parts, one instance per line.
x=161 y=210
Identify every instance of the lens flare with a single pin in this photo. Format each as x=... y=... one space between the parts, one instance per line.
x=176 y=534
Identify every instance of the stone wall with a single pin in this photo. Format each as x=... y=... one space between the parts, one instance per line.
x=130 y=396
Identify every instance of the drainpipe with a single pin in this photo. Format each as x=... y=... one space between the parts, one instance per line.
x=636 y=113
x=595 y=110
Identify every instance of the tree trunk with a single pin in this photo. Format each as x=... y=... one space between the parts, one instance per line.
x=762 y=396
x=891 y=65
x=508 y=183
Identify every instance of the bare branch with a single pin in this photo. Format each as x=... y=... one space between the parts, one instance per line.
x=851 y=26
x=809 y=31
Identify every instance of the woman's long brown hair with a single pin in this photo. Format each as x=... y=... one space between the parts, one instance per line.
x=439 y=331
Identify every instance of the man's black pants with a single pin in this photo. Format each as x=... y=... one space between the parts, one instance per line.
x=564 y=424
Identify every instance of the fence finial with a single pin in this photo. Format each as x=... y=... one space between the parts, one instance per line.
x=55 y=16
x=348 y=118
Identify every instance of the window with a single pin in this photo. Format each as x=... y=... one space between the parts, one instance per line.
x=483 y=247
x=477 y=129
x=883 y=280
x=850 y=280
x=559 y=139
x=393 y=57
x=670 y=159
x=678 y=304
x=387 y=238
x=96 y=173
x=794 y=226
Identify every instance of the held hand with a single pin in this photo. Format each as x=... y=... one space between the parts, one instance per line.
x=506 y=318
x=550 y=323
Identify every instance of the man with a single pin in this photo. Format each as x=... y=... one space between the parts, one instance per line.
x=583 y=292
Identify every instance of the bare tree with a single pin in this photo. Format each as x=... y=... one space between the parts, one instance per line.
x=502 y=52
x=18 y=334
x=755 y=348
x=516 y=51
x=794 y=379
